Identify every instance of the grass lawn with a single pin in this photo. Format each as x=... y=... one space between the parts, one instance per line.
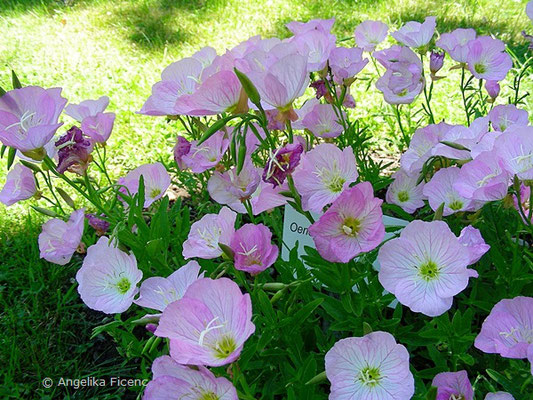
x=118 y=48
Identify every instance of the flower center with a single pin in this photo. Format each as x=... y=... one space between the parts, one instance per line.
x=370 y=376
x=225 y=346
x=336 y=183
x=155 y=192
x=351 y=226
x=456 y=397
x=123 y=285
x=480 y=68
x=209 y=396
x=429 y=271
x=403 y=196
x=456 y=205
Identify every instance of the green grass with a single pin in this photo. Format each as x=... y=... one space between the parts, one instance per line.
x=118 y=48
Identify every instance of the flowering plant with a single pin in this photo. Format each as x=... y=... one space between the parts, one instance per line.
x=435 y=304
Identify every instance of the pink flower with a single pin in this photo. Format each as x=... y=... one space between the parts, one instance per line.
x=508 y=330
x=29 y=118
x=208 y=154
x=209 y=324
x=483 y=179
x=282 y=163
x=487 y=58
x=456 y=43
x=421 y=146
x=503 y=116
x=156 y=182
x=173 y=381
x=529 y=10
x=403 y=79
x=20 y=185
x=323 y=174
x=415 y=34
x=493 y=89
x=177 y=80
x=220 y=92
x=98 y=224
x=471 y=238
x=499 y=396
x=231 y=189
x=322 y=25
x=94 y=122
x=283 y=82
x=345 y=62
x=467 y=137
x=157 y=292
x=108 y=278
x=73 y=150
x=425 y=267
x=440 y=189
x=369 y=34
x=59 y=239
x=252 y=248
x=525 y=192
x=352 y=225
x=405 y=192
x=453 y=385
x=208 y=232
x=322 y=121
x=182 y=148
x=370 y=367
x=316 y=45
x=515 y=149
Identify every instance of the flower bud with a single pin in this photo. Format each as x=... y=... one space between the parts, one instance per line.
x=436 y=61
x=493 y=89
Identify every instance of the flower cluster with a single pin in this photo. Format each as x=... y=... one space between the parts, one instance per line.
x=254 y=144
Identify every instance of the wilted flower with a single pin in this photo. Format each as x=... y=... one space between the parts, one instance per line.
x=202 y=157
x=352 y=225
x=471 y=238
x=456 y=43
x=322 y=121
x=74 y=151
x=320 y=88
x=425 y=267
x=173 y=381
x=323 y=174
x=370 y=367
x=273 y=121
x=515 y=149
x=94 y=122
x=440 y=189
x=209 y=324
x=98 y=224
x=108 y=278
x=369 y=34
x=483 y=179
x=208 y=232
x=405 y=192
x=345 y=63
x=29 y=118
x=525 y=192
x=507 y=330
x=493 y=89
x=60 y=239
x=499 y=396
x=436 y=61
x=487 y=58
x=157 y=292
x=20 y=185
x=453 y=385
x=421 y=146
x=415 y=34
x=182 y=148
x=503 y=116
x=253 y=249
x=156 y=182
x=282 y=163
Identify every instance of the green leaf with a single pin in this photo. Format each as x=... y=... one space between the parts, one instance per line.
x=11 y=157
x=2 y=92
x=438 y=213
x=249 y=88
x=15 y=80
x=432 y=393
x=66 y=197
x=218 y=125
